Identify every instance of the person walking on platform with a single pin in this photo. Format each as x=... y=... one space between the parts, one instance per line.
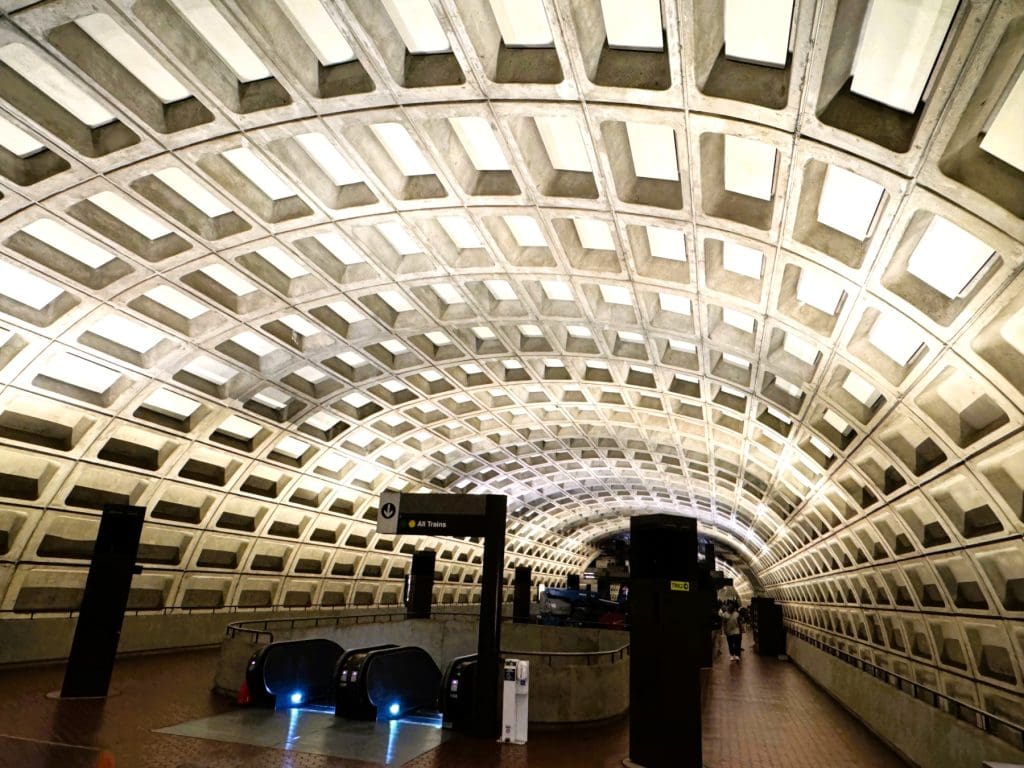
x=733 y=628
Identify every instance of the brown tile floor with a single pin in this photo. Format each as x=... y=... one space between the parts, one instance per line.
x=760 y=714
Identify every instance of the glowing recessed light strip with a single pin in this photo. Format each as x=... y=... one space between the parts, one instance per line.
x=522 y=23
x=318 y=30
x=110 y=36
x=403 y=150
x=192 y=192
x=633 y=24
x=176 y=301
x=259 y=173
x=26 y=288
x=222 y=38
x=749 y=167
x=899 y=45
x=57 y=86
x=67 y=241
x=128 y=333
x=16 y=141
x=848 y=202
x=461 y=231
x=418 y=26
x=742 y=259
x=322 y=152
x=666 y=243
x=758 y=30
x=819 y=289
x=1004 y=134
x=564 y=144
x=282 y=262
x=948 y=257
x=478 y=139
x=653 y=148
x=126 y=211
x=228 y=279
x=898 y=339
x=399 y=238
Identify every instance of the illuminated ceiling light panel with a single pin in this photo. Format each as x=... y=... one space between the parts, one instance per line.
x=109 y=35
x=653 y=148
x=666 y=243
x=299 y=325
x=192 y=191
x=171 y=404
x=633 y=24
x=16 y=141
x=396 y=234
x=899 y=45
x=564 y=143
x=126 y=211
x=895 y=337
x=522 y=23
x=239 y=428
x=526 y=231
x=848 y=202
x=321 y=151
x=136 y=336
x=1004 y=134
x=678 y=304
x=179 y=303
x=819 y=289
x=800 y=349
x=616 y=294
x=82 y=373
x=948 y=257
x=282 y=262
x=340 y=248
x=26 y=288
x=557 y=290
x=68 y=242
x=228 y=278
x=418 y=26
x=396 y=301
x=478 y=139
x=749 y=167
x=758 y=30
x=55 y=84
x=258 y=172
x=461 y=231
x=448 y=293
x=594 y=234
x=739 y=320
x=318 y=30
x=742 y=260
x=402 y=148
x=861 y=389
x=222 y=38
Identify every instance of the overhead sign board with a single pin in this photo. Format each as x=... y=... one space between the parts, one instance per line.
x=432 y=514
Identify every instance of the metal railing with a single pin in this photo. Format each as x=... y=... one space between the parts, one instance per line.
x=591 y=658
x=999 y=727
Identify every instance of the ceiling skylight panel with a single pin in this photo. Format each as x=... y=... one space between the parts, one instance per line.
x=402 y=148
x=282 y=262
x=228 y=278
x=898 y=339
x=418 y=26
x=677 y=304
x=67 y=241
x=220 y=35
x=848 y=202
x=1004 y=134
x=758 y=30
x=55 y=84
x=396 y=234
x=318 y=30
x=259 y=173
x=594 y=234
x=321 y=151
x=564 y=144
x=462 y=233
x=616 y=294
x=124 y=210
x=749 y=167
x=653 y=148
x=739 y=320
x=633 y=24
x=16 y=141
x=557 y=290
x=742 y=259
x=522 y=23
x=500 y=290
x=478 y=139
x=136 y=336
x=899 y=44
x=176 y=301
x=819 y=289
x=666 y=243
x=26 y=288
x=948 y=257
x=448 y=293
x=192 y=191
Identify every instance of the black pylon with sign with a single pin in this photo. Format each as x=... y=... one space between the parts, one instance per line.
x=420 y=591
x=664 y=673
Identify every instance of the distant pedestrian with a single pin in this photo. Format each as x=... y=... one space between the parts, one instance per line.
x=733 y=628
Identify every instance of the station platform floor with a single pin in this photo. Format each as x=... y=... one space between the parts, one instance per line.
x=758 y=713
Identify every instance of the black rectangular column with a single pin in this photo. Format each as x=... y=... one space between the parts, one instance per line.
x=572 y=581
x=421 y=585
x=523 y=593
x=98 y=630
x=488 y=684
x=664 y=675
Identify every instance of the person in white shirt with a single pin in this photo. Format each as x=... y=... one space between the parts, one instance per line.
x=733 y=628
